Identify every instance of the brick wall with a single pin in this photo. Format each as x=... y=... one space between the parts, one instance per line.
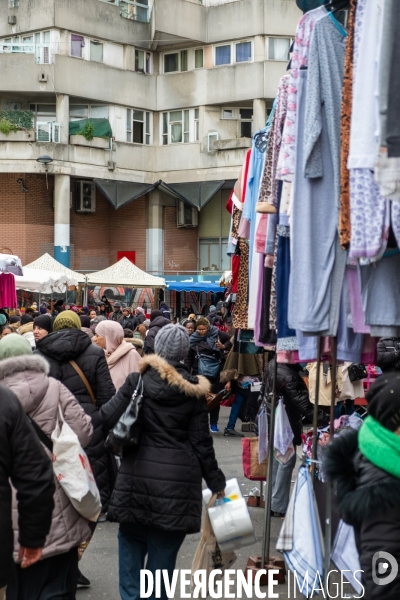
x=180 y=245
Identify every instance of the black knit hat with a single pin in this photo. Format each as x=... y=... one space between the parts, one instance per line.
x=154 y=314
x=384 y=400
x=44 y=322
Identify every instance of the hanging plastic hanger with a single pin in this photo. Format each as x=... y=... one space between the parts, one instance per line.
x=339 y=12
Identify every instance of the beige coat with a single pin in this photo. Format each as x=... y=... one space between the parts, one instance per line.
x=40 y=395
x=325 y=389
x=123 y=361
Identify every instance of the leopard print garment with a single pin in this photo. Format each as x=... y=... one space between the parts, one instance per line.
x=240 y=316
x=344 y=214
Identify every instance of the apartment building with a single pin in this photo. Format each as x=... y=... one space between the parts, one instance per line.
x=136 y=119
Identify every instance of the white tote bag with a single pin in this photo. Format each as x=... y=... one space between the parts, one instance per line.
x=73 y=471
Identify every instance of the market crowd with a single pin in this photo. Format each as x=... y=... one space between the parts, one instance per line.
x=85 y=367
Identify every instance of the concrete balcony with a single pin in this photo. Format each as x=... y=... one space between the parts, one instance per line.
x=92 y=80
x=20 y=73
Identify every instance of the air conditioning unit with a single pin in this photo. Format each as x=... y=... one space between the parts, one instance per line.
x=85 y=197
x=187 y=216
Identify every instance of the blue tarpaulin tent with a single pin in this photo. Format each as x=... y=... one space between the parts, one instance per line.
x=194 y=286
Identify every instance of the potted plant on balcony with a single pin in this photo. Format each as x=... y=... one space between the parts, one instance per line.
x=16 y=126
x=95 y=133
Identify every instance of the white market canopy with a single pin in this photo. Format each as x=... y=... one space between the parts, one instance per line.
x=48 y=263
x=45 y=282
x=125 y=274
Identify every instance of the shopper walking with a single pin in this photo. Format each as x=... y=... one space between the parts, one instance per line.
x=190 y=326
x=157 y=322
x=68 y=343
x=122 y=357
x=364 y=465
x=42 y=397
x=42 y=326
x=25 y=464
x=158 y=494
x=208 y=341
x=292 y=389
x=166 y=313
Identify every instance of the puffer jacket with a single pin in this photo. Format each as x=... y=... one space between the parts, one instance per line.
x=160 y=483
x=123 y=361
x=24 y=461
x=154 y=328
x=40 y=397
x=59 y=348
x=388 y=354
x=27 y=332
x=369 y=499
x=293 y=390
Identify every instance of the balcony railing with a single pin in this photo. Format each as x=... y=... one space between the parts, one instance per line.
x=129 y=9
x=41 y=51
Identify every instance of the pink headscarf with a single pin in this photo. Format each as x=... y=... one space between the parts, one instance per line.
x=113 y=334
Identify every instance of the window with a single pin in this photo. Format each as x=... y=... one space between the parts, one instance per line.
x=142 y=61
x=138 y=126
x=99 y=111
x=78 y=111
x=45 y=113
x=184 y=60
x=223 y=55
x=77 y=43
x=246 y=122
x=243 y=52
x=278 y=48
x=198 y=58
x=96 y=51
x=171 y=63
x=42 y=46
x=180 y=126
x=196 y=125
x=227 y=113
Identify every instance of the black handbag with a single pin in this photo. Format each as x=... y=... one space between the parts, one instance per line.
x=357 y=372
x=128 y=431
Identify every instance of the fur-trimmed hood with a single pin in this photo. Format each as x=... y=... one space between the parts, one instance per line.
x=27 y=377
x=195 y=387
x=27 y=328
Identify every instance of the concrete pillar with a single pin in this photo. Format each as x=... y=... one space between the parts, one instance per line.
x=62 y=116
x=155 y=234
x=62 y=201
x=259 y=114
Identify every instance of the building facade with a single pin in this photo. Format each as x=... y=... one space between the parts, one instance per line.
x=181 y=85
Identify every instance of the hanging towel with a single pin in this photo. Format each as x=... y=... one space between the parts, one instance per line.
x=306 y=553
x=285 y=539
x=345 y=555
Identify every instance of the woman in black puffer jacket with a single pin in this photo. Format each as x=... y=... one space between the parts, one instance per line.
x=157 y=322
x=66 y=343
x=157 y=498
x=365 y=466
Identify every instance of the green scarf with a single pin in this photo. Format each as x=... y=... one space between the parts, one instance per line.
x=380 y=446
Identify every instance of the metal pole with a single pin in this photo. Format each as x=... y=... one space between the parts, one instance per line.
x=315 y=416
x=328 y=514
x=268 y=484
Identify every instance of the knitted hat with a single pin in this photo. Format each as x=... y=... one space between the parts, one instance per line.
x=14 y=319
x=14 y=345
x=140 y=309
x=203 y=322
x=155 y=314
x=3 y=320
x=384 y=400
x=85 y=310
x=68 y=319
x=172 y=343
x=26 y=319
x=44 y=322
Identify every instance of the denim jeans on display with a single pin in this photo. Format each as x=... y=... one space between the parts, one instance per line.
x=135 y=542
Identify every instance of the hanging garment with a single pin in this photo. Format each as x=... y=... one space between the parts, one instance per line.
x=344 y=214
x=354 y=290
x=240 y=316
x=380 y=292
x=299 y=59
x=8 y=292
x=317 y=261
x=305 y=556
x=269 y=184
x=286 y=337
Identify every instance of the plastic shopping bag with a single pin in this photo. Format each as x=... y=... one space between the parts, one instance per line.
x=262 y=435
x=73 y=471
x=208 y=554
x=283 y=439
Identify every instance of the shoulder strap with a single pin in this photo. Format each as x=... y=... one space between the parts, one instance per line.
x=85 y=381
x=41 y=435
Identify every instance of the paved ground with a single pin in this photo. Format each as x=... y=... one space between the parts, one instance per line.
x=100 y=562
